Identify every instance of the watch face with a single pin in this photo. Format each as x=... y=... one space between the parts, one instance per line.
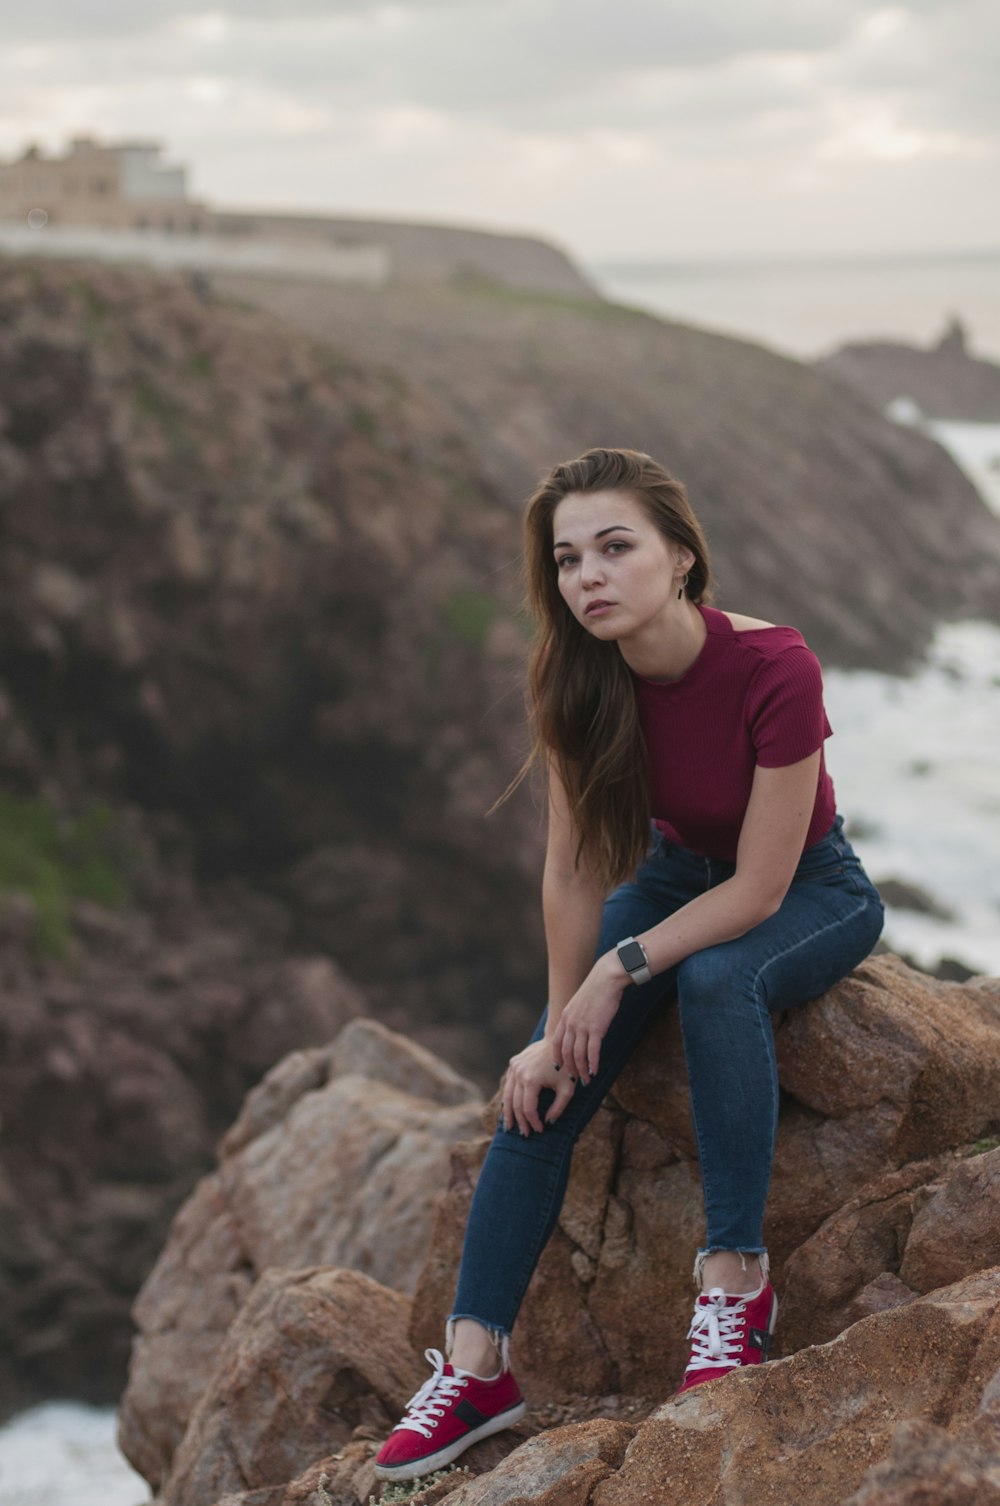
x=632 y=956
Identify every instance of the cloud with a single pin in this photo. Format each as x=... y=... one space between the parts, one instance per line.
x=528 y=111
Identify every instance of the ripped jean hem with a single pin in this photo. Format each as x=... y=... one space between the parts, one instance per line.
x=743 y=1252
x=499 y=1336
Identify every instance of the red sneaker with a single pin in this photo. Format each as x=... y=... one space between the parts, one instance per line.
x=450 y=1412
x=729 y=1331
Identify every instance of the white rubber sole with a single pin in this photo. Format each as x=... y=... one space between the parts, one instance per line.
x=427 y=1465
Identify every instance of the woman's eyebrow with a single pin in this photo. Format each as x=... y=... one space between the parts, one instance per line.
x=612 y=528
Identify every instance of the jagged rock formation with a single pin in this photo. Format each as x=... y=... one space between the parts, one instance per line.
x=945 y=381
x=336 y=1159
x=880 y=1228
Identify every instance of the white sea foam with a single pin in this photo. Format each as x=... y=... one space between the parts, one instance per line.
x=976 y=447
x=916 y=765
x=65 y=1451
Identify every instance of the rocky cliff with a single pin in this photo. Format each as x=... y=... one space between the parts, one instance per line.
x=418 y=253
x=819 y=511
x=277 y=1337
x=260 y=661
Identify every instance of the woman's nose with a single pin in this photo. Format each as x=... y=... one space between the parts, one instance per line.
x=592 y=569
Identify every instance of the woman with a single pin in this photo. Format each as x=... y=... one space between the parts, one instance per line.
x=648 y=703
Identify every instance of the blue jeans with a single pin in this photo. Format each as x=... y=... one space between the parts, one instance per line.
x=828 y=922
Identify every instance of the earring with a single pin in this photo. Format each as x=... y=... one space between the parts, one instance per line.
x=684 y=582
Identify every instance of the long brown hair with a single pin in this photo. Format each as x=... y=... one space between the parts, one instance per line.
x=581 y=701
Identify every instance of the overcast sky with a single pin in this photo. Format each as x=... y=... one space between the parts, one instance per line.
x=627 y=128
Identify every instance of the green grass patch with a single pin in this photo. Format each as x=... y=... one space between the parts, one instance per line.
x=57 y=860
x=94 y=307
x=201 y=365
x=571 y=303
x=154 y=404
x=468 y=616
x=365 y=421
x=989 y=1142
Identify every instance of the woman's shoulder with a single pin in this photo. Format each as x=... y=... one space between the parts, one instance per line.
x=767 y=642
x=742 y=624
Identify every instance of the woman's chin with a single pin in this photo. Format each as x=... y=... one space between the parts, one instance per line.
x=602 y=627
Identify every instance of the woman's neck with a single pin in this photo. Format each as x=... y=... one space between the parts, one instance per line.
x=667 y=649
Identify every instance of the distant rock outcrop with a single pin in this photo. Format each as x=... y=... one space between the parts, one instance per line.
x=944 y=381
x=258 y=1379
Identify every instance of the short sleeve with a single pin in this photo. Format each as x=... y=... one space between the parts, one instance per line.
x=786 y=713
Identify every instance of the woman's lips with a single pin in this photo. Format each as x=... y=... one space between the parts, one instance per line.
x=598 y=608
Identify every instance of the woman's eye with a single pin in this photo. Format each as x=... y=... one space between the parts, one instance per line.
x=617 y=544
x=565 y=559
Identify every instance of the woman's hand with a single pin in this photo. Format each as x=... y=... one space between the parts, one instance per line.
x=583 y=1024
x=528 y=1073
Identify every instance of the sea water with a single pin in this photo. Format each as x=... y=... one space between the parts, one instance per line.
x=809 y=306
x=64 y=1454
x=916 y=767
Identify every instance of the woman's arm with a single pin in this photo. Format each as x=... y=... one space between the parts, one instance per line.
x=572 y=902
x=770 y=845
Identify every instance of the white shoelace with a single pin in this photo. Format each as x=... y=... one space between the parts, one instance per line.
x=423 y=1409
x=717 y=1332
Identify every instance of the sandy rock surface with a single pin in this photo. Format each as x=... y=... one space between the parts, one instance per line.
x=313 y=1356
x=336 y=1159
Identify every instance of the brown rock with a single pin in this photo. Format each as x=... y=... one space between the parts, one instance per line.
x=912 y=1230
x=313 y=1356
x=336 y=1159
x=876 y=1046
x=183 y=1313
x=831 y=1278
x=558 y=1468
x=930 y=1467
x=879 y=1296
x=807 y=1428
x=958 y=1225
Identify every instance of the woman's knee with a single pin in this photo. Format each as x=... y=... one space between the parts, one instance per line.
x=707 y=978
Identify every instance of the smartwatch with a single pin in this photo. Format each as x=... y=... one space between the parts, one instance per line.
x=632 y=956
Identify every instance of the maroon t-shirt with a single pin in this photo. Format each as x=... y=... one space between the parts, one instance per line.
x=749 y=698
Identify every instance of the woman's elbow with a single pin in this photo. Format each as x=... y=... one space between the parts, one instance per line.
x=760 y=904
